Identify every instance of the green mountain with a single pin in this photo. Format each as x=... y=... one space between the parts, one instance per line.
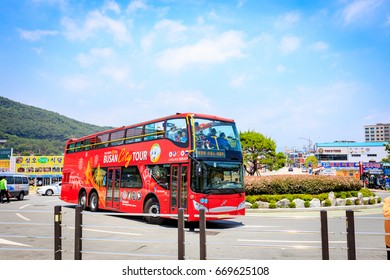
x=31 y=130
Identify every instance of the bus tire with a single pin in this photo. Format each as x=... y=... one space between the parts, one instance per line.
x=152 y=206
x=83 y=200
x=93 y=202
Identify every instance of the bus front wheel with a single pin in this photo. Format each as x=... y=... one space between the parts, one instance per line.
x=152 y=207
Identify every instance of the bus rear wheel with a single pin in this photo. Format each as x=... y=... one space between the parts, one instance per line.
x=93 y=202
x=152 y=207
x=83 y=200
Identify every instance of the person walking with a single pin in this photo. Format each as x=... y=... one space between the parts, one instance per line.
x=3 y=189
x=386 y=214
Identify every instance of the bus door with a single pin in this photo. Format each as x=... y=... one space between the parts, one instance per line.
x=113 y=185
x=179 y=183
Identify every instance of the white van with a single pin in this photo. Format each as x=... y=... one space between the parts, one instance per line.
x=17 y=183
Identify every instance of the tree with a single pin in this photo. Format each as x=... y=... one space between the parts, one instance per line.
x=387 y=148
x=259 y=151
x=313 y=161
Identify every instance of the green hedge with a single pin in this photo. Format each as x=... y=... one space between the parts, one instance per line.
x=299 y=184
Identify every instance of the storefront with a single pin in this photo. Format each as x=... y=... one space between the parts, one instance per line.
x=42 y=170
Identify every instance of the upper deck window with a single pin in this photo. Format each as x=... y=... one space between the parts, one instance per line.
x=102 y=140
x=134 y=134
x=212 y=134
x=154 y=131
x=116 y=138
x=176 y=130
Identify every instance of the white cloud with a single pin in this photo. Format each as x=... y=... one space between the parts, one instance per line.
x=147 y=41
x=289 y=44
x=137 y=5
x=287 y=20
x=358 y=9
x=320 y=46
x=207 y=51
x=95 y=55
x=169 y=29
x=281 y=68
x=111 y=5
x=387 y=23
x=36 y=35
x=164 y=31
x=118 y=74
x=77 y=83
x=95 y=22
x=187 y=100
x=239 y=80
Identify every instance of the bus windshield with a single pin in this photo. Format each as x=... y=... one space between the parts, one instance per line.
x=218 y=177
x=211 y=134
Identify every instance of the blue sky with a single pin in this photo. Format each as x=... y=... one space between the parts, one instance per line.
x=317 y=70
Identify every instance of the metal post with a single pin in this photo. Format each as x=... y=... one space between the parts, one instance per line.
x=57 y=233
x=351 y=235
x=324 y=235
x=180 y=234
x=78 y=233
x=202 y=233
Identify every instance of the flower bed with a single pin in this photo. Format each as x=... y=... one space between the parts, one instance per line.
x=299 y=184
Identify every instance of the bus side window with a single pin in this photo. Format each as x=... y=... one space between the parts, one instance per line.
x=161 y=174
x=134 y=135
x=177 y=131
x=131 y=178
x=116 y=138
x=102 y=140
x=70 y=148
x=154 y=131
x=78 y=146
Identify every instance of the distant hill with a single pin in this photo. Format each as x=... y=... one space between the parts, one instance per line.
x=31 y=130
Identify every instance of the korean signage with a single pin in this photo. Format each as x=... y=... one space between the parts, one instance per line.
x=5 y=156
x=340 y=164
x=39 y=165
x=205 y=153
x=5 y=153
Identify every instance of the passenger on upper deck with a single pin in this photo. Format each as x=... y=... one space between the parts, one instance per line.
x=223 y=143
x=212 y=138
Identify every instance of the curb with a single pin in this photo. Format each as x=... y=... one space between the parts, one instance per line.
x=312 y=209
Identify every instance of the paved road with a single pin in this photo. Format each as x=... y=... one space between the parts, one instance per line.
x=27 y=233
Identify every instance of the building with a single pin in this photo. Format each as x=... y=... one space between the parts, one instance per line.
x=344 y=158
x=379 y=132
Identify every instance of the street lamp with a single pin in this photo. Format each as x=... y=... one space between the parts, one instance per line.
x=308 y=139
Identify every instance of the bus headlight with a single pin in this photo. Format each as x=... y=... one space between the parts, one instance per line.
x=199 y=206
x=241 y=205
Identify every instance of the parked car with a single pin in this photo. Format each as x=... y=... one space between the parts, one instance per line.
x=50 y=189
x=290 y=169
x=304 y=169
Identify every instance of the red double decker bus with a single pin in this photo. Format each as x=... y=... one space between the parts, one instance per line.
x=189 y=161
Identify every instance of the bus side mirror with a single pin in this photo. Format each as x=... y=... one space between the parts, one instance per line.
x=198 y=170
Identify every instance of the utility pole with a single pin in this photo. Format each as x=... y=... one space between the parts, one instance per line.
x=307 y=139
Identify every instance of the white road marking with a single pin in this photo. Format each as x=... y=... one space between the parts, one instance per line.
x=22 y=217
x=107 y=231
x=7 y=242
x=24 y=206
x=287 y=241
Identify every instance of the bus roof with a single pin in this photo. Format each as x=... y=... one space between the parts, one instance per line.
x=177 y=115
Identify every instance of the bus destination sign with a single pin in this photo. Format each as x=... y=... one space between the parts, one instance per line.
x=205 y=153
